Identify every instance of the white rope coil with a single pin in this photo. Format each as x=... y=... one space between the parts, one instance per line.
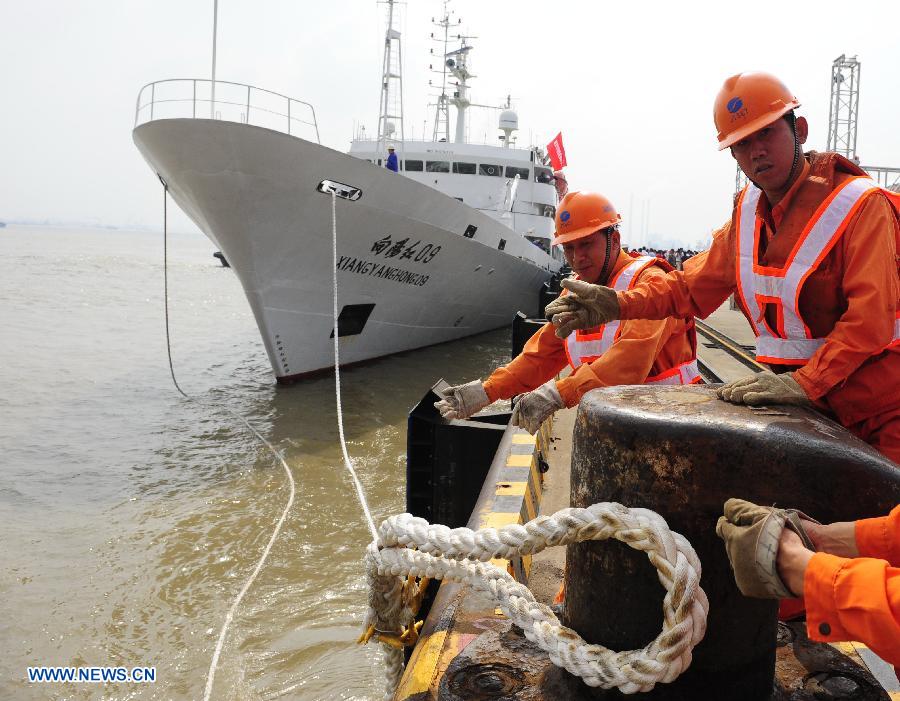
x=410 y=546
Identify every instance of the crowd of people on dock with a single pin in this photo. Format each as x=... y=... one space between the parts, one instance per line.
x=673 y=256
x=811 y=255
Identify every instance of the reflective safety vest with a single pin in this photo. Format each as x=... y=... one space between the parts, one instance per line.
x=791 y=342
x=586 y=346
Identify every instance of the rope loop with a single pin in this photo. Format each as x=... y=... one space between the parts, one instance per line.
x=408 y=546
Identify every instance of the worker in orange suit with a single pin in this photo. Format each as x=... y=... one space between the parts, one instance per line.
x=811 y=255
x=851 y=585
x=847 y=572
x=632 y=352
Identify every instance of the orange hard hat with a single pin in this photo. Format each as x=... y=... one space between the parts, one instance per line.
x=581 y=214
x=748 y=102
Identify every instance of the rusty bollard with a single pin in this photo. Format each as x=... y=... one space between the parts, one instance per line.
x=682 y=452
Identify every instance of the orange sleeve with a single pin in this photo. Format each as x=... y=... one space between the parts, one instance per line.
x=854 y=599
x=543 y=356
x=706 y=281
x=870 y=286
x=880 y=537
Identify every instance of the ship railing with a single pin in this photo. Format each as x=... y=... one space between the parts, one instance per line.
x=198 y=98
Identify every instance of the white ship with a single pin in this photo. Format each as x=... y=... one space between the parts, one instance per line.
x=454 y=244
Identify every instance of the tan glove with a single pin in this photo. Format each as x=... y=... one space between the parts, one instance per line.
x=764 y=388
x=751 y=534
x=535 y=407
x=461 y=401
x=585 y=307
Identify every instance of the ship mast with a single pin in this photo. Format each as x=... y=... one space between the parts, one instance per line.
x=442 y=115
x=390 y=108
x=456 y=62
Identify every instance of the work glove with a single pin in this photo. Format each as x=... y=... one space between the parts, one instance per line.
x=585 y=307
x=535 y=407
x=461 y=401
x=764 y=388
x=751 y=534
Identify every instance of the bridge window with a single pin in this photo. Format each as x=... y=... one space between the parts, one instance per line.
x=464 y=168
x=487 y=169
x=437 y=166
x=523 y=173
x=543 y=175
x=412 y=165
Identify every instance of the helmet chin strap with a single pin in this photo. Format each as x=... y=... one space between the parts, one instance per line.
x=604 y=272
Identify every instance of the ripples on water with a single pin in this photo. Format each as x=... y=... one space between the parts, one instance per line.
x=130 y=517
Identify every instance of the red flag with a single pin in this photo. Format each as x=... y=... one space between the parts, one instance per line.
x=557 y=153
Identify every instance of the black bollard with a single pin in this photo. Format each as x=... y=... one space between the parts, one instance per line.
x=681 y=452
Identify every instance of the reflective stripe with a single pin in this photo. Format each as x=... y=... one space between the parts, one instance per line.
x=824 y=233
x=799 y=349
x=755 y=282
x=583 y=347
x=685 y=374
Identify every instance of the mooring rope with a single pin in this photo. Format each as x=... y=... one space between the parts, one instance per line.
x=360 y=494
x=411 y=547
x=229 y=617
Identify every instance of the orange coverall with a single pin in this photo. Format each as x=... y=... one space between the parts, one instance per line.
x=859 y=598
x=643 y=349
x=850 y=299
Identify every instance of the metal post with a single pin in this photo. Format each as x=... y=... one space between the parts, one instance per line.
x=289 y=116
x=248 y=106
x=212 y=102
x=152 y=99
x=681 y=452
x=194 y=111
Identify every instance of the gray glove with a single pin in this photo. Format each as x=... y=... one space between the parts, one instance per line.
x=461 y=401
x=585 y=307
x=751 y=534
x=764 y=388
x=535 y=407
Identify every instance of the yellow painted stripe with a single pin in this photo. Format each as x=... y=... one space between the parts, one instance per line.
x=523 y=439
x=422 y=665
x=528 y=505
x=846 y=648
x=526 y=565
x=518 y=460
x=535 y=472
x=515 y=489
x=859 y=646
x=493 y=520
x=895 y=695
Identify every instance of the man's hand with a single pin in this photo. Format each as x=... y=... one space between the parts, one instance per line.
x=461 y=401
x=534 y=408
x=792 y=560
x=753 y=538
x=585 y=307
x=764 y=388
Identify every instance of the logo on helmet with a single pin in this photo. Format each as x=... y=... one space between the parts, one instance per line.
x=734 y=104
x=565 y=216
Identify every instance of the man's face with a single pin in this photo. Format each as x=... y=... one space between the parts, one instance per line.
x=766 y=156
x=587 y=256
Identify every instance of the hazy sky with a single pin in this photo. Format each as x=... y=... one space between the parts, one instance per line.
x=630 y=85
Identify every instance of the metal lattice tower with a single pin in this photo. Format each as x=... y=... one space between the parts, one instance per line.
x=740 y=180
x=390 y=108
x=843 y=113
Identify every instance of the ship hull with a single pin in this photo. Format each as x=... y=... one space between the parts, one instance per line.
x=415 y=267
